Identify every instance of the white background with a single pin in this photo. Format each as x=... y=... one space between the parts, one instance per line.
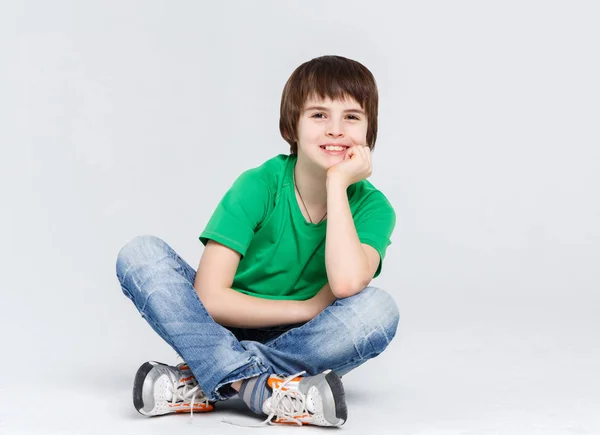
x=120 y=118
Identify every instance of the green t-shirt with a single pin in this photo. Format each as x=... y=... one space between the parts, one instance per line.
x=283 y=255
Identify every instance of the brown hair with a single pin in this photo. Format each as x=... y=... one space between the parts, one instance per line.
x=333 y=77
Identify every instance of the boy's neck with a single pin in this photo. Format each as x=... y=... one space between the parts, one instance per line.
x=311 y=182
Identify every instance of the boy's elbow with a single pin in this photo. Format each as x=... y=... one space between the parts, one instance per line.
x=211 y=305
x=346 y=289
x=206 y=298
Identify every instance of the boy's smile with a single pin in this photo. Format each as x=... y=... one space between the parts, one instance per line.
x=327 y=128
x=334 y=149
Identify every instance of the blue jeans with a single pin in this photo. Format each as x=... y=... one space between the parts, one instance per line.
x=343 y=336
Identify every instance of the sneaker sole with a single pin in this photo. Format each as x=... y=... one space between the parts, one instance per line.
x=337 y=388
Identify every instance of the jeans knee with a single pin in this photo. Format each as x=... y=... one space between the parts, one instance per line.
x=140 y=250
x=390 y=314
x=380 y=316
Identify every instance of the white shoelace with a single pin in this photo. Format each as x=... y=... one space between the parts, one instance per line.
x=284 y=404
x=189 y=390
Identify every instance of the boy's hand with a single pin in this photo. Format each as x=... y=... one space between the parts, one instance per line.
x=319 y=302
x=356 y=166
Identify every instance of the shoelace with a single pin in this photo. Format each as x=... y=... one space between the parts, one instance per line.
x=284 y=404
x=186 y=392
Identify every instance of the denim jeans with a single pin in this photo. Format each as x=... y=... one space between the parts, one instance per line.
x=343 y=336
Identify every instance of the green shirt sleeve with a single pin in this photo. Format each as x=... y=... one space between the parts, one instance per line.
x=375 y=223
x=242 y=208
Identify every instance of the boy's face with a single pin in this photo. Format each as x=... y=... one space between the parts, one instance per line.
x=330 y=122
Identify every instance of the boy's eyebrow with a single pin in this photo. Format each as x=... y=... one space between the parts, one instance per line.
x=326 y=109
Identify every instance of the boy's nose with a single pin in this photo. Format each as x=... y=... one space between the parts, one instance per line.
x=335 y=130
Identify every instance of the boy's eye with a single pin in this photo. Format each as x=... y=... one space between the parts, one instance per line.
x=320 y=115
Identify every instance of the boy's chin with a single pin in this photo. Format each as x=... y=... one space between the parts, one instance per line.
x=330 y=161
x=326 y=164
x=324 y=161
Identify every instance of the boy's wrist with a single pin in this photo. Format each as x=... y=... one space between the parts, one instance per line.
x=307 y=310
x=315 y=305
x=298 y=311
x=335 y=181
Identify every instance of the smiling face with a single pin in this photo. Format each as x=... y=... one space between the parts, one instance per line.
x=327 y=128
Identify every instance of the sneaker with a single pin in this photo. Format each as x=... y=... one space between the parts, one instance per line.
x=160 y=389
x=316 y=400
x=312 y=400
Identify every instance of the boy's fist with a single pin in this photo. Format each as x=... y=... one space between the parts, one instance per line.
x=356 y=166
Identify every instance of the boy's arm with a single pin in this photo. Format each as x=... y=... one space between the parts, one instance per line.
x=350 y=264
x=229 y=307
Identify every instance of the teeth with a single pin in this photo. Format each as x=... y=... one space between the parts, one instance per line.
x=334 y=148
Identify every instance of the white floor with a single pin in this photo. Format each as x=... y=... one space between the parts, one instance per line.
x=123 y=118
x=469 y=381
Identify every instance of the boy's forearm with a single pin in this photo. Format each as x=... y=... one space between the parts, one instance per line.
x=231 y=308
x=345 y=258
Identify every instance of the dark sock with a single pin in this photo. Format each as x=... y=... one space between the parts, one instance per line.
x=255 y=391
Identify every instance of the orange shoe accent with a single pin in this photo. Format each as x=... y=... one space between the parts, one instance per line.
x=275 y=382
x=197 y=407
x=186 y=379
x=184 y=368
x=280 y=421
x=201 y=409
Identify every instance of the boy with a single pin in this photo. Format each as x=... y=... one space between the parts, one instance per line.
x=279 y=308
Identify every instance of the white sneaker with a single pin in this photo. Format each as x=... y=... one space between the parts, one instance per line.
x=312 y=400
x=160 y=389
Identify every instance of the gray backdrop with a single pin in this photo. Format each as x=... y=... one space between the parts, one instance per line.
x=120 y=118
